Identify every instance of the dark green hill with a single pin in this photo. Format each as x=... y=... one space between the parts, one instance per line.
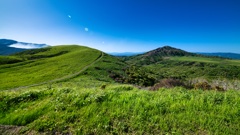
x=157 y=55
x=168 y=51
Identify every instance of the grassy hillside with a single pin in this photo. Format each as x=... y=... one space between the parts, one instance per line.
x=41 y=65
x=208 y=60
x=94 y=100
x=186 y=68
x=107 y=69
x=193 y=67
x=120 y=109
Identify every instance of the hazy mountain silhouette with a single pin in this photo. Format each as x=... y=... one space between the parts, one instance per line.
x=224 y=55
x=8 y=46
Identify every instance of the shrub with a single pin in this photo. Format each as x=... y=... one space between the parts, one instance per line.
x=103 y=86
x=218 y=88
x=139 y=76
x=202 y=86
x=97 y=68
x=116 y=77
x=168 y=83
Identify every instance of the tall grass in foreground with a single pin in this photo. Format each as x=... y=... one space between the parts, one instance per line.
x=122 y=109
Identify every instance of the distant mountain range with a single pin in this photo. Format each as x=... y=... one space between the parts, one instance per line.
x=162 y=51
x=167 y=50
x=8 y=46
x=224 y=55
x=125 y=53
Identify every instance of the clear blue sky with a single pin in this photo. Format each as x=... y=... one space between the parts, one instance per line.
x=125 y=25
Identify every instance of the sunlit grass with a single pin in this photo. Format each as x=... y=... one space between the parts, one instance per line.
x=92 y=103
x=45 y=69
x=121 y=109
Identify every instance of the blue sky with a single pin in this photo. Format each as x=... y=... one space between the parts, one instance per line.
x=125 y=25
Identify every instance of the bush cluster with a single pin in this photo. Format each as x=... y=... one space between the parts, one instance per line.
x=168 y=83
x=200 y=85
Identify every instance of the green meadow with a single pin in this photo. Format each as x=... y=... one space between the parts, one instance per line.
x=79 y=90
x=120 y=109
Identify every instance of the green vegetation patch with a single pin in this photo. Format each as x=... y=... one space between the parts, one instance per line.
x=208 y=60
x=195 y=67
x=9 y=60
x=107 y=69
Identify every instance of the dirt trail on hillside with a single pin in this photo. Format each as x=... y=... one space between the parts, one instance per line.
x=7 y=130
x=16 y=130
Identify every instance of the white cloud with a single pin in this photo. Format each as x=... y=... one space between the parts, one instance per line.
x=27 y=45
x=86 y=29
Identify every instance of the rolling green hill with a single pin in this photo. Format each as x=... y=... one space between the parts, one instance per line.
x=185 y=68
x=43 y=65
x=33 y=67
x=193 y=67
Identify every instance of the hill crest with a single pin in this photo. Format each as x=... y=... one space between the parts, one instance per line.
x=169 y=51
x=157 y=55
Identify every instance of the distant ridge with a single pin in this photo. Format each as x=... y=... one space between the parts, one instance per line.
x=223 y=55
x=8 y=46
x=158 y=54
x=7 y=41
x=5 y=49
